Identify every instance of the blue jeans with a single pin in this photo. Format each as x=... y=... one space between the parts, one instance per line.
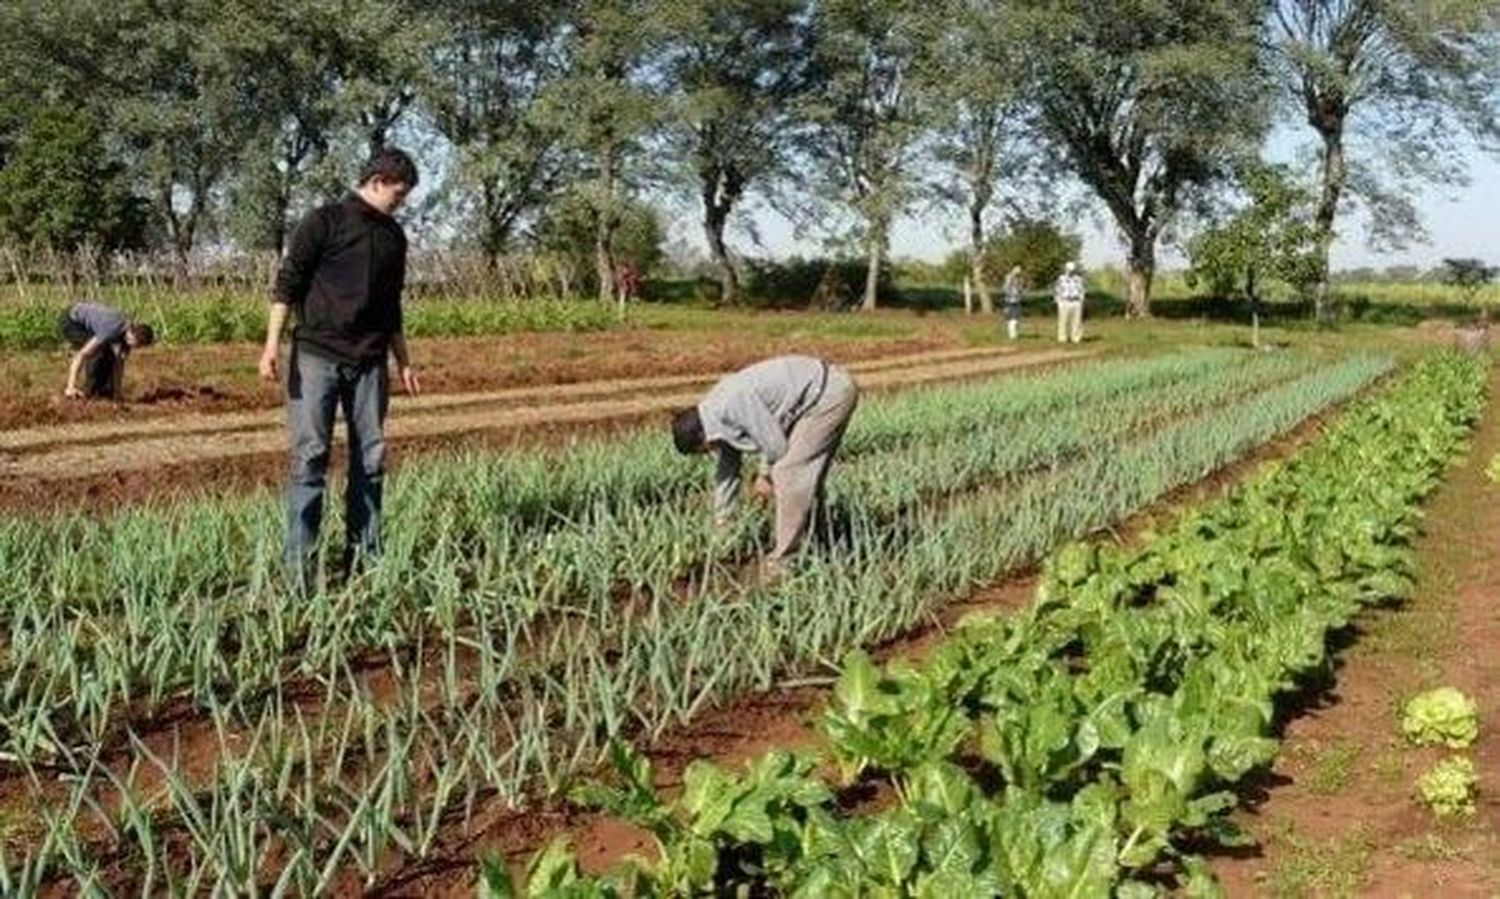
x=316 y=388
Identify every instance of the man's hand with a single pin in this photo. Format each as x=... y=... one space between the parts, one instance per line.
x=269 y=365
x=73 y=393
x=410 y=381
x=763 y=487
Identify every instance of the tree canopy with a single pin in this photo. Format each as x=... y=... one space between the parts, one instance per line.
x=187 y=125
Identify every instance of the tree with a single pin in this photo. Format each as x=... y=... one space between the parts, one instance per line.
x=736 y=69
x=60 y=189
x=1272 y=237
x=146 y=72
x=380 y=55
x=1149 y=102
x=603 y=110
x=568 y=229
x=866 y=117
x=215 y=100
x=285 y=62
x=1469 y=276
x=980 y=107
x=489 y=73
x=1408 y=76
x=1040 y=248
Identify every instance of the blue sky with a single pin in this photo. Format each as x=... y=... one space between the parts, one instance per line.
x=1461 y=220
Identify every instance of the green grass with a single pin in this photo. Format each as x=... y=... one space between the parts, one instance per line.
x=1333 y=767
x=1319 y=869
x=235 y=313
x=1389 y=766
x=238 y=317
x=1430 y=847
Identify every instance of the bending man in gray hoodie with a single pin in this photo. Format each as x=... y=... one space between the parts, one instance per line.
x=792 y=410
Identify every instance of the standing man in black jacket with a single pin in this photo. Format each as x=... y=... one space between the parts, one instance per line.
x=343 y=273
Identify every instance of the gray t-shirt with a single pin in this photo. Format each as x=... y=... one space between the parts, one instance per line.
x=1014 y=287
x=102 y=322
x=752 y=411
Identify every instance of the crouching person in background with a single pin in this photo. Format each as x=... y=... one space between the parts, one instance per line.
x=102 y=338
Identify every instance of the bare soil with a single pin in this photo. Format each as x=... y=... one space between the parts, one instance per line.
x=103 y=463
x=170 y=381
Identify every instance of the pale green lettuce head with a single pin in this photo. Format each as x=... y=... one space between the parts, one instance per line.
x=1448 y=789
x=1443 y=716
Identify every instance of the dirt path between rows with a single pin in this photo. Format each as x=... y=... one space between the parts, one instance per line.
x=115 y=460
x=1337 y=815
x=24 y=440
x=171 y=381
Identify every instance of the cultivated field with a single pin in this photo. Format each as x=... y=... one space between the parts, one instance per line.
x=175 y=721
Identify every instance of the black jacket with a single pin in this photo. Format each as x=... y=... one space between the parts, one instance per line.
x=343 y=273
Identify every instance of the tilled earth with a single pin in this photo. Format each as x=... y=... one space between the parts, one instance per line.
x=101 y=463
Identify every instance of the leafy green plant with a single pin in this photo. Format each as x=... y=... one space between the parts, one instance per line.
x=1448 y=788
x=1444 y=716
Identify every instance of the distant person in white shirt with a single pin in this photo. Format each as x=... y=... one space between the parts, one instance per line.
x=1068 y=294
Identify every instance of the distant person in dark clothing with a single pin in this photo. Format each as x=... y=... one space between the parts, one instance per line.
x=103 y=338
x=343 y=275
x=1014 y=290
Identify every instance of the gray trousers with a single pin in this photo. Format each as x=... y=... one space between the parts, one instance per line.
x=798 y=476
x=316 y=389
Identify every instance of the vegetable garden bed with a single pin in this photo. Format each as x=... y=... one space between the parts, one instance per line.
x=1087 y=747
x=216 y=733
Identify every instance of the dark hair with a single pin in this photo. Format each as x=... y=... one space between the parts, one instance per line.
x=390 y=164
x=145 y=335
x=687 y=431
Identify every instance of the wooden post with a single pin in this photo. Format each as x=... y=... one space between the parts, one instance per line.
x=968 y=295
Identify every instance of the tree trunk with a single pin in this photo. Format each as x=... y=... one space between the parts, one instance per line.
x=182 y=275
x=1142 y=271
x=181 y=230
x=278 y=216
x=1334 y=173
x=604 y=228
x=286 y=182
x=872 y=272
x=604 y=258
x=976 y=254
x=716 y=206
x=496 y=224
x=1252 y=294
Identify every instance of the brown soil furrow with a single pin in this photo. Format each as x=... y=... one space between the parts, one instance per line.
x=169 y=382
x=73 y=461
x=37 y=438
